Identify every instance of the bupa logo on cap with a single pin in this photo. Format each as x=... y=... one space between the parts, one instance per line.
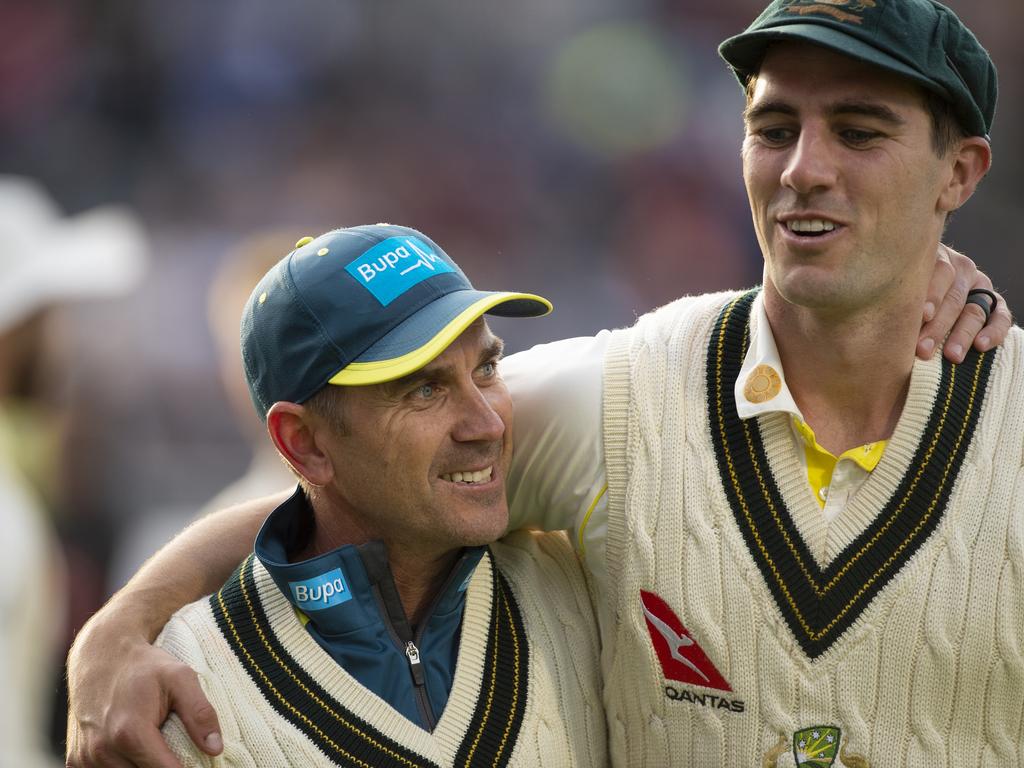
x=395 y=265
x=320 y=592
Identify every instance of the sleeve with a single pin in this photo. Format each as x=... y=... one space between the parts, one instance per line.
x=557 y=471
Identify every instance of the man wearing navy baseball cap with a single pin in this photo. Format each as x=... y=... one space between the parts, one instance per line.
x=358 y=306
x=373 y=625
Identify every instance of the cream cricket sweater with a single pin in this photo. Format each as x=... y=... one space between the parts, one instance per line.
x=526 y=690
x=751 y=632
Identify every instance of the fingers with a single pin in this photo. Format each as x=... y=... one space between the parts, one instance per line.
x=197 y=714
x=119 y=699
x=998 y=327
x=81 y=754
x=144 y=747
x=965 y=330
x=132 y=745
x=99 y=759
x=952 y=323
x=131 y=742
x=952 y=277
x=942 y=278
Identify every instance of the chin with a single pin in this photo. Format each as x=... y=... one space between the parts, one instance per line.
x=812 y=287
x=481 y=531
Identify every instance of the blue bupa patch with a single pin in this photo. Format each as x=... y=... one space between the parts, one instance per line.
x=395 y=265
x=320 y=592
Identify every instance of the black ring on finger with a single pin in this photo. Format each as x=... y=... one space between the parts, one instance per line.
x=974 y=297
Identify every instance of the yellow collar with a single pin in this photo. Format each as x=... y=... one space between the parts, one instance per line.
x=761 y=388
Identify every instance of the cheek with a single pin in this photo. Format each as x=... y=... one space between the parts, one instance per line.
x=500 y=400
x=748 y=167
x=760 y=178
x=423 y=449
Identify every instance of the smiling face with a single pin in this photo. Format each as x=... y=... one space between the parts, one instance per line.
x=847 y=194
x=422 y=461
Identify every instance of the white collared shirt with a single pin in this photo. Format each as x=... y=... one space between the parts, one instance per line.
x=761 y=389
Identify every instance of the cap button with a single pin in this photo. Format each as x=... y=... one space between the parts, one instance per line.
x=304 y=241
x=762 y=384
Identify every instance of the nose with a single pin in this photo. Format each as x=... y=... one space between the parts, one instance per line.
x=811 y=164
x=480 y=415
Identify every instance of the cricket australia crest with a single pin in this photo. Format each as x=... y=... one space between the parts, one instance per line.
x=816 y=747
x=850 y=11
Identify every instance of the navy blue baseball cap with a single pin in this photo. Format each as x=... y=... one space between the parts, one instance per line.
x=357 y=306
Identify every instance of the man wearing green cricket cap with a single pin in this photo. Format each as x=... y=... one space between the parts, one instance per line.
x=805 y=547
x=844 y=584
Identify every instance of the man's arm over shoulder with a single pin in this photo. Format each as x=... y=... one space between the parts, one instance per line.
x=121 y=688
x=558 y=458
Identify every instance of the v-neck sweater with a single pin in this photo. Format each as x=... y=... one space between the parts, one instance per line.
x=745 y=617
x=525 y=691
x=349 y=603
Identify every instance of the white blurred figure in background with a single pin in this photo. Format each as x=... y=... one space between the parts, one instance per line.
x=46 y=260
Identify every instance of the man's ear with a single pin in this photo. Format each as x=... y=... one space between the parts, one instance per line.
x=291 y=427
x=971 y=162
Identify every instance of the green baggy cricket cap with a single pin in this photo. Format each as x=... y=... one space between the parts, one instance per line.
x=920 y=39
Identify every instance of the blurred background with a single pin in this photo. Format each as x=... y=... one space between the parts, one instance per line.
x=585 y=150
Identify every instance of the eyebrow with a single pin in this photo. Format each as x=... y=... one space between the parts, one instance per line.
x=850 y=107
x=493 y=350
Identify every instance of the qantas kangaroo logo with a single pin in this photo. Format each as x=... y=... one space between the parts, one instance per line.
x=682 y=659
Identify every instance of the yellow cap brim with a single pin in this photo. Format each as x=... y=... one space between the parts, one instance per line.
x=379 y=371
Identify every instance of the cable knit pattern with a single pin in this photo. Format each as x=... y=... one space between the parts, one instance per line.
x=929 y=672
x=560 y=722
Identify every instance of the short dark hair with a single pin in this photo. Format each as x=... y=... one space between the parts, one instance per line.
x=947 y=130
x=328 y=403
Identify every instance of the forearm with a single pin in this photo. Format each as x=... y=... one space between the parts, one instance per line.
x=120 y=687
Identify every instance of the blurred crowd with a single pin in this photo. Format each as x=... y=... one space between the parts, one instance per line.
x=585 y=150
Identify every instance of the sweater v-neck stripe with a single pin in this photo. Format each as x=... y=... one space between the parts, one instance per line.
x=820 y=603
x=344 y=737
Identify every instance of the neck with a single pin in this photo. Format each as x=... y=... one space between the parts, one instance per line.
x=419 y=580
x=418 y=573
x=849 y=373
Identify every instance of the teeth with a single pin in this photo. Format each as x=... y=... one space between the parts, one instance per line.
x=481 y=476
x=810 y=225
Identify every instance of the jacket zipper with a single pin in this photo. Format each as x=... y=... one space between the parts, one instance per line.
x=412 y=651
x=412 y=655
x=400 y=632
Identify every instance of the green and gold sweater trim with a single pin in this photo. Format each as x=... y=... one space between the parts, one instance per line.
x=344 y=737
x=820 y=604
